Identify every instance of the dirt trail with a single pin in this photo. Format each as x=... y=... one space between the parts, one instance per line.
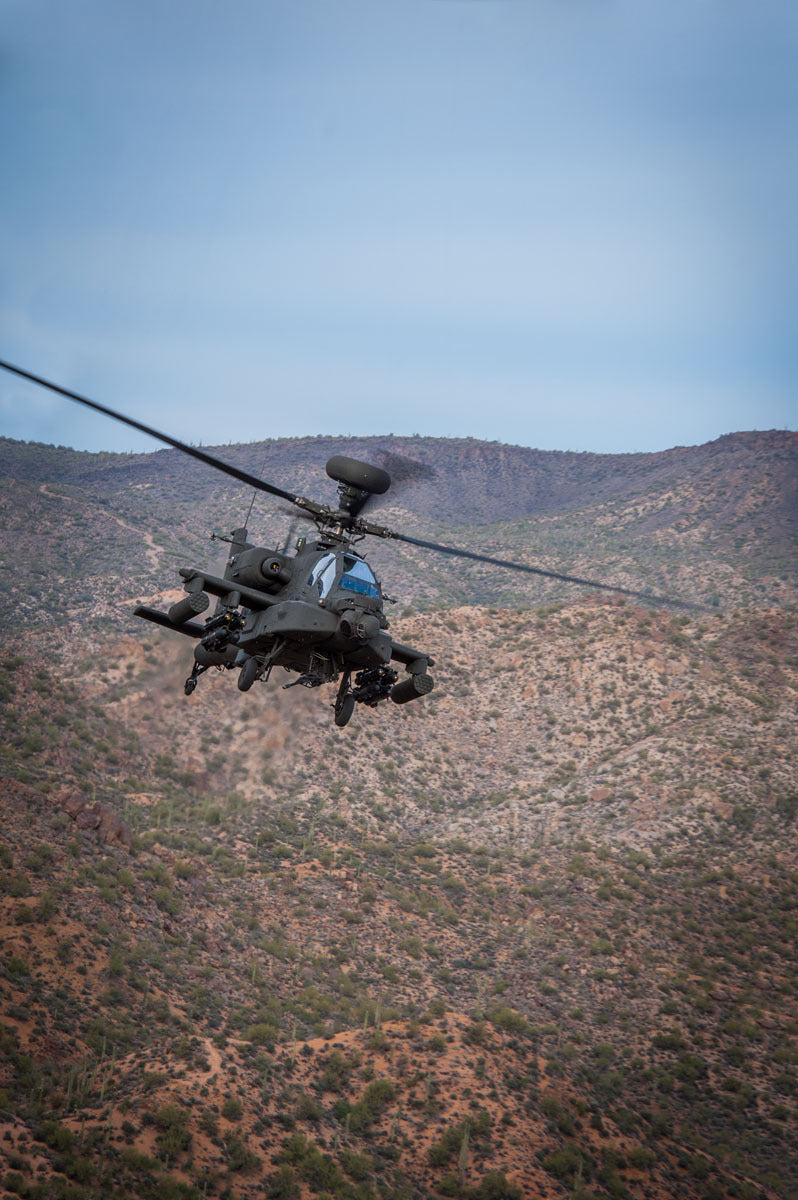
x=153 y=551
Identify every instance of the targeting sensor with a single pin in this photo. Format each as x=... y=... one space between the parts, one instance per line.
x=358 y=474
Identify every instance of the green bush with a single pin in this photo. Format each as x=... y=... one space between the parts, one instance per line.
x=239 y=1157
x=167 y=900
x=173 y=1135
x=441 y=1153
x=58 y=1137
x=495 y=1186
x=262 y=1034
x=283 y=1184
x=15 y=885
x=232 y=1109
x=641 y=1158
x=376 y=1098
x=510 y=1020
x=335 y=1074
x=669 y=1039
x=564 y=1163
x=308 y=1109
x=357 y=1166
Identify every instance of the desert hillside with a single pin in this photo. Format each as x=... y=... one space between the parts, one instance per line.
x=533 y=936
x=715 y=524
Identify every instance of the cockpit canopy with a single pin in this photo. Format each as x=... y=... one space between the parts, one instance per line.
x=357 y=576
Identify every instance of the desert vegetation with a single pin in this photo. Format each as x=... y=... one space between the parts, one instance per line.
x=534 y=939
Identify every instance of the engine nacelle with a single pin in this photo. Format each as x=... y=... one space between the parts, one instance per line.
x=258 y=568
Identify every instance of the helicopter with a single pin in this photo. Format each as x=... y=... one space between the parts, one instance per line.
x=318 y=612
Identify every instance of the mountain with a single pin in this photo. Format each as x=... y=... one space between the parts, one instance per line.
x=714 y=523
x=532 y=936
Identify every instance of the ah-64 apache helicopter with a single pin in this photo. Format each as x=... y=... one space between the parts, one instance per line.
x=319 y=611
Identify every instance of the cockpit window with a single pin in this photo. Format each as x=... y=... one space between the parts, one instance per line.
x=323 y=574
x=358 y=577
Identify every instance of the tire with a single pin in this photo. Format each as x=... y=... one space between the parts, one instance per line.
x=344 y=710
x=247 y=675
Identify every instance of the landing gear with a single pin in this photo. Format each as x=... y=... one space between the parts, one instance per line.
x=191 y=682
x=344 y=710
x=344 y=702
x=370 y=687
x=248 y=674
x=320 y=670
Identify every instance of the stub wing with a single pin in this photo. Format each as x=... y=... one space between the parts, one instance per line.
x=189 y=628
x=411 y=658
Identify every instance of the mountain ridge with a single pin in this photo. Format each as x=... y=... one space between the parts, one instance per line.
x=530 y=938
x=711 y=522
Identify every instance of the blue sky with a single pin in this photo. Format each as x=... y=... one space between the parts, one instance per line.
x=560 y=223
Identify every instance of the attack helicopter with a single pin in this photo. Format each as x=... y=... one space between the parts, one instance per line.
x=317 y=612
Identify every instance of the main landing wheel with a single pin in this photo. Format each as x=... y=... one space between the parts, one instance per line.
x=344 y=707
x=247 y=675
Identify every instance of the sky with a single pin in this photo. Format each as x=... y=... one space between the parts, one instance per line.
x=567 y=224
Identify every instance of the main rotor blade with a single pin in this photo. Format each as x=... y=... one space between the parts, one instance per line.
x=649 y=597
x=208 y=459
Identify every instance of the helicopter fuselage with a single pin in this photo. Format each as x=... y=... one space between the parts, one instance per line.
x=318 y=612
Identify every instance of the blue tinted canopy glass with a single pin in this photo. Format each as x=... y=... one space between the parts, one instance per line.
x=358 y=577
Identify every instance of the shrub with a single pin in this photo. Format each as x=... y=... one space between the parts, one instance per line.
x=57 y=1136
x=495 y=1186
x=377 y=1096
x=47 y=906
x=308 y=1109
x=510 y=1020
x=15 y=885
x=239 y=1156
x=283 y=1184
x=232 y=1109
x=641 y=1157
x=669 y=1039
x=167 y=900
x=441 y=1153
x=357 y=1166
x=563 y=1163
x=336 y=1072
x=173 y=1136
x=262 y=1034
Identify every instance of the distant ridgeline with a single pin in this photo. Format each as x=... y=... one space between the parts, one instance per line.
x=82 y=533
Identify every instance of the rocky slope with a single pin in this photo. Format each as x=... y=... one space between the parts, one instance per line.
x=530 y=937
x=714 y=523
x=555 y=906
